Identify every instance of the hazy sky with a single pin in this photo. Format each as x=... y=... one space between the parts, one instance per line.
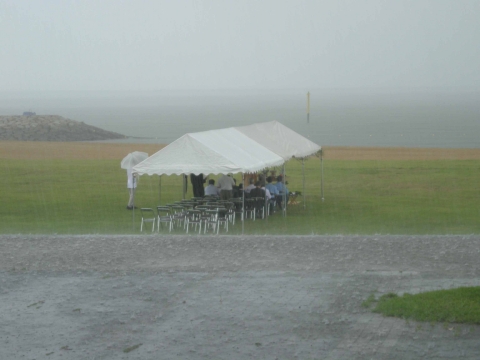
x=244 y=44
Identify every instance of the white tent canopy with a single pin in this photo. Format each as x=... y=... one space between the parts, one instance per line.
x=244 y=149
x=280 y=139
x=210 y=152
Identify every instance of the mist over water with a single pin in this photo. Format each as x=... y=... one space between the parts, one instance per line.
x=337 y=118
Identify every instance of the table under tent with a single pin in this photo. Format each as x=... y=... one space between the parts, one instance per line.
x=246 y=149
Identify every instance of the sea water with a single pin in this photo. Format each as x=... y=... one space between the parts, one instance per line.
x=394 y=118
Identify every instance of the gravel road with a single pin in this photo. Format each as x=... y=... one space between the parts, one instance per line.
x=227 y=297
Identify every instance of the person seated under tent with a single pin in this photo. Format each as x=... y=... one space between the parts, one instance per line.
x=282 y=189
x=211 y=189
x=274 y=193
x=251 y=185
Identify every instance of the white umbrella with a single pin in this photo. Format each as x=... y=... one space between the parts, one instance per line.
x=133 y=159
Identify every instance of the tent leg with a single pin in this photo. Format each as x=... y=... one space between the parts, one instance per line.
x=266 y=205
x=321 y=165
x=303 y=172
x=183 y=186
x=284 y=210
x=243 y=203
x=133 y=204
x=160 y=190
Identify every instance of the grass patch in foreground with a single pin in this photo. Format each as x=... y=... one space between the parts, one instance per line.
x=461 y=305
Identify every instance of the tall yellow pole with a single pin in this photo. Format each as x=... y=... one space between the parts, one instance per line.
x=308 y=107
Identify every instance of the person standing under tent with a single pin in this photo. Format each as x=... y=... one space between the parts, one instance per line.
x=226 y=184
x=197 y=184
x=131 y=186
x=235 y=189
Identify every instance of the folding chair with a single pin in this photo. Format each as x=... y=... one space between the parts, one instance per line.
x=210 y=219
x=193 y=217
x=148 y=215
x=259 y=205
x=222 y=218
x=271 y=204
x=238 y=209
x=230 y=206
x=202 y=207
x=203 y=212
x=178 y=214
x=250 y=208
x=164 y=216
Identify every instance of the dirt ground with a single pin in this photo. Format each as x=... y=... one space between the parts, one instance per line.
x=227 y=297
x=93 y=150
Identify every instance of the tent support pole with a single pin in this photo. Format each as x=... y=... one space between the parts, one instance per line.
x=321 y=165
x=183 y=186
x=266 y=205
x=133 y=203
x=160 y=190
x=303 y=172
x=243 y=203
x=284 y=210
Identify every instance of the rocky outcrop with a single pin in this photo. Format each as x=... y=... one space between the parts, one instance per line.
x=50 y=128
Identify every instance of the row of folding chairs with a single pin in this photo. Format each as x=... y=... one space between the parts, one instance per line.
x=209 y=214
x=186 y=217
x=252 y=208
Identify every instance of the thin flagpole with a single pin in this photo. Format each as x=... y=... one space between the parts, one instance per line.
x=308 y=107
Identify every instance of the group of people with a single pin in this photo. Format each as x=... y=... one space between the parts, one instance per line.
x=273 y=192
x=226 y=188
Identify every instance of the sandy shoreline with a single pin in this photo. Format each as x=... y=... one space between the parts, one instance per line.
x=36 y=150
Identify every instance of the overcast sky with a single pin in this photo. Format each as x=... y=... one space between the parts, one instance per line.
x=244 y=44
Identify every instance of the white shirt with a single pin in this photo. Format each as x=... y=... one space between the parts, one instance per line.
x=249 y=187
x=211 y=190
x=267 y=193
x=130 y=183
x=226 y=183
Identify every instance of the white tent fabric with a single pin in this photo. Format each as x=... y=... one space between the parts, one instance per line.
x=210 y=152
x=280 y=139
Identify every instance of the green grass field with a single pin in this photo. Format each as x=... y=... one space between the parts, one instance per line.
x=75 y=196
x=461 y=305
